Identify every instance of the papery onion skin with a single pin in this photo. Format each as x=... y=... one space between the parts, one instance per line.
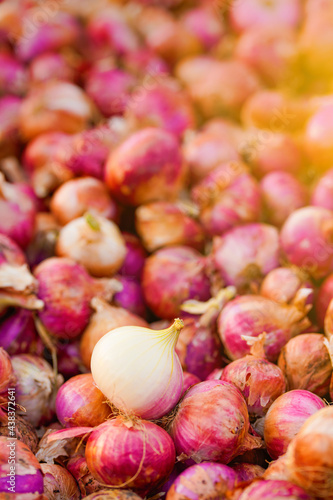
x=77 y=466
x=28 y=475
x=306 y=364
x=282 y=194
x=80 y=403
x=277 y=469
x=149 y=455
x=251 y=315
x=285 y=418
x=306 y=240
x=24 y=431
x=160 y=224
x=309 y=458
x=135 y=257
x=131 y=296
x=247 y=472
x=113 y=494
x=171 y=276
x=282 y=284
x=136 y=385
x=274 y=490
x=227 y=197
x=105 y=318
x=207 y=480
x=247 y=253
x=260 y=382
x=147 y=166
x=78 y=196
x=188 y=380
x=210 y=405
x=59 y=483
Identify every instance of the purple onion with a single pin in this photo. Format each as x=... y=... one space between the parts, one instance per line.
x=13 y=77
x=51 y=66
x=283 y=283
x=131 y=296
x=135 y=257
x=322 y=195
x=188 y=380
x=18 y=334
x=274 y=490
x=247 y=472
x=69 y=359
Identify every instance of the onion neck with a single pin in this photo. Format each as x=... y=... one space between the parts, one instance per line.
x=105 y=288
x=209 y=310
x=30 y=302
x=171 y=333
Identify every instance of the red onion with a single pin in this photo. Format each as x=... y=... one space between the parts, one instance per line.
x=282 y=194
x=283 y=283
x=59 y=483
x=110 y=90
x=69 y=359
x=162 y=104
x=215 y=374
x=226 y=197
x=77 y=466
x=131 y=296
x=145 y=167
x=237 y=80
x=145 y=63
x=160 y=224
x=67 y=290
x=56 y=31
x=114 y=494
x=318 y=136
x=285 y=418
x=247 y=472
x=205 y=25
x=309 y=460
x=9 y=124
x=54 y=106
x=210 y=405
x=133 y=454
x=24 y=430
x=260 y=381
x=322 y=193
x=58 y=449
x=245 y=254
x=306 y=239
x=188 y=380
x=171 y=276
x=80 y=403
x=18 y=209
x=134 y=258
x=51 y=66
x=206 y=150
x=78 y=196
x=94 y=242
x=249 y=13
x=205 y=481
x=36 y=387
x=323 y=299
x=13 y=79
x=105 y=318
x=7 y=377
x=306 y=363
x=251 y=315
x=274 y=490
x=20 y=471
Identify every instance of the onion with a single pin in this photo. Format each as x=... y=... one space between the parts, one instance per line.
x=59 y=483
x=306 y=240
x=215 y=374
x=283 y=283
x=285 y=418
x=309 y=460
x=144 y=61
x=245 y=254
x=36 y=387
x=210 y=405
x=323 y=299
x=18 y=207
x=9 y=124
x=171 y=276
x=247 y=472
x=80 y=403
x=110 y=90
x=273 y=490
x=205 y=25
x=145 y=167
x=24 y=430
x=136 y=455
x=322 y=192
x=20 y=471
x=123 y=365
x=113 y=494
x=277 y=469
x=205 y=481
x=160 y=224
x=67 y=290
x=54 y=106
x=306 y=364
x=282 y=194
x=251 y=315
x=43 y=245
x=77 y=466
x=14 y=272
x=14 y=78
x=51 y=66
x=162 y=104
x=226 y=197
x=131 y=296
x=7 y=377
x=69 y=359
x=58 y=449
x=260 y=381
x=78 y=196
x=94 y=242
x=104 y=319
x=318 y=136
x=134 y=258
x=188 y=380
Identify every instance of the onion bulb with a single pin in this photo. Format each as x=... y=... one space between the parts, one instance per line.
x=138 y=370
x=7 y=378
x=273 y=490
x=59 y=483
x=282 y=284
x=113 y=494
